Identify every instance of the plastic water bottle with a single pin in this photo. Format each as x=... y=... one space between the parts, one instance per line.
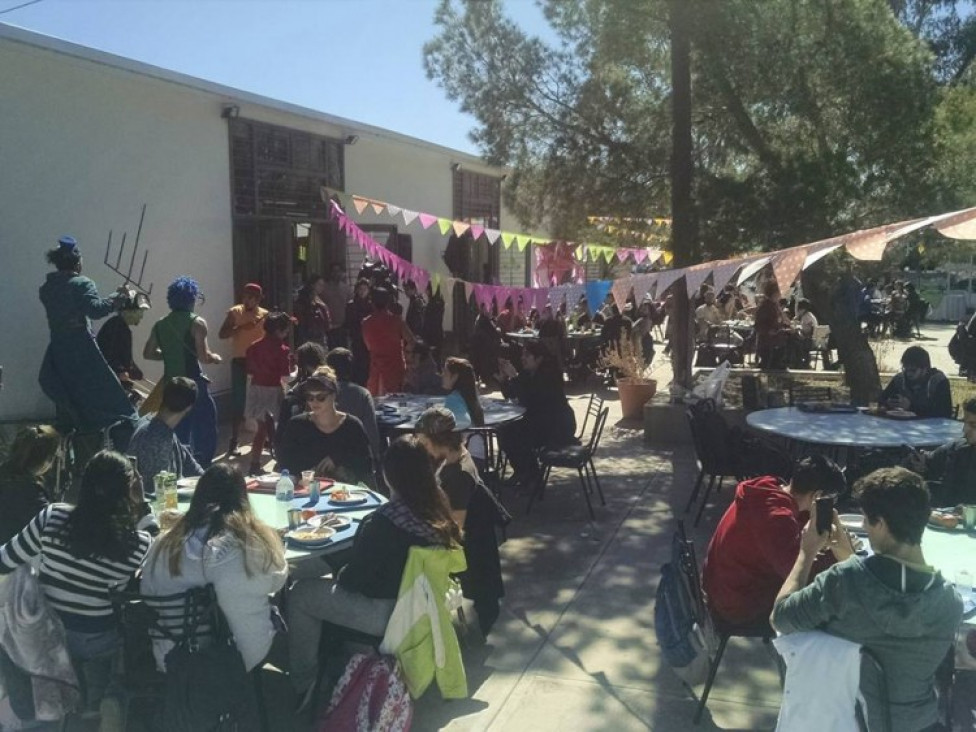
x=284 y=488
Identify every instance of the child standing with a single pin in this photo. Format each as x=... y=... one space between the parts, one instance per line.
x=268 y=362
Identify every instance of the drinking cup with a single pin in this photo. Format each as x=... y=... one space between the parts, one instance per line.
x=969 y=516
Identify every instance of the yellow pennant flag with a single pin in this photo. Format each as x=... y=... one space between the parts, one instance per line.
x=667 y=257
x=608 y=255
x=508 y=239
x=436 y=283
x=444 y=225
x=522 y=242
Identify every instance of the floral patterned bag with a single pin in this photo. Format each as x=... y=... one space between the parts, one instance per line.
x=371 y=696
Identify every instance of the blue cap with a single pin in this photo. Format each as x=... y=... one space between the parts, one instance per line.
x=68 y=242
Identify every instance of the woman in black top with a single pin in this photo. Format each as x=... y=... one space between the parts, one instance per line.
x=332 y=443
x=363 y=594
x=549 y=421
x=358 y=309
x=22 y=492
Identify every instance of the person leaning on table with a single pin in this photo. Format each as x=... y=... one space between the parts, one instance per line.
x=953 y=464
x=919 y=387
x=892 y=603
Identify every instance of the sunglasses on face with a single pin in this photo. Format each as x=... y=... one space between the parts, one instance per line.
x=318 y=396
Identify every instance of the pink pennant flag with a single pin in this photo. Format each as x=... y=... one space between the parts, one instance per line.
x=477 y=231
x=426 y=220
x=622 y=255
x=422 y=278
x=640 y=255
x=409 y=217
x=460 y=227
x=787 y=265
x=359 y=203
x=492 y=235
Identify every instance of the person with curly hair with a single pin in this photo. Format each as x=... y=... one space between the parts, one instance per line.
x=179 y=340
x=74 y=374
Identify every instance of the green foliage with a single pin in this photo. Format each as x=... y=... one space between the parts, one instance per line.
x=810 y=118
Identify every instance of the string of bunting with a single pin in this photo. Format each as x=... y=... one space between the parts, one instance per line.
x=593 y=252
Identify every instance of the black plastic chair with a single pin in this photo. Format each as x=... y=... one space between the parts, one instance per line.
x=578 y=457
x=593 y=408
x=711 y=439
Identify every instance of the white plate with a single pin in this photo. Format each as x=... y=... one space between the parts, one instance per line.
x=309 y=535
x=188 y=483
x=852 y=521
x=267 y=480
x=355 y=498
x=332 y=520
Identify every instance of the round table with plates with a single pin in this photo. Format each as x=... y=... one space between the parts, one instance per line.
x=401 y=411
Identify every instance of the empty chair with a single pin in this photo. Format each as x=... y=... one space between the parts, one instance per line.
x=712 y=441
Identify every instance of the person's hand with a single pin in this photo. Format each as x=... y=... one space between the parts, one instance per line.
x=899 y=402
x=215 y=358
x=810 y=541
x=840 y=543
x=916 y=462
x=136 y=492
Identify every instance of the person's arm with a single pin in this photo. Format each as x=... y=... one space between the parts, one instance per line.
x=26 y=545
x=801 y=613
x=406 y=334
x=940 y=404
x=356 y=456
x=92 y=305
x=290 y=448
x=151 y=351
x=892 y=390
x=204 y=354
x=191 y=468
x=227 y=328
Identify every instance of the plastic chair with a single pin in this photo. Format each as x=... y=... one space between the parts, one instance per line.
x=593 y=408
x=711 y=437
x=578 y=457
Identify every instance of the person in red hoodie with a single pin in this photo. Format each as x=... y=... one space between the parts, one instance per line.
x=268 y=362
x=758 y=539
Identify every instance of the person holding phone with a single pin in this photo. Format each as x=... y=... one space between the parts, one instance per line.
x=758 y=539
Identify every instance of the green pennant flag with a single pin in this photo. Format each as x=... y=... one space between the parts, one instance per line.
x=523 y=242
x=444 y=225
x=437 y=283
x=608 y=254
x=508 y=239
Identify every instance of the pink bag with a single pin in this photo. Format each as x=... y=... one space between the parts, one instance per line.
x=371 y=696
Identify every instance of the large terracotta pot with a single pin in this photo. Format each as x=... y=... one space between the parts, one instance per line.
x=634 y=394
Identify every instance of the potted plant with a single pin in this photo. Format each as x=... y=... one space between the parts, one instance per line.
x=634 y=384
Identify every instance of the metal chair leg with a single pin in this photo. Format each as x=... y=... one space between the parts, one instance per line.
x=586 y=494
x=704 y=501
x=596 y=479
x=712 y=670
x=694 y=492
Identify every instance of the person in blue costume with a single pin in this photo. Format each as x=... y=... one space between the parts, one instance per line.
x=74 y=375
x=180 y=341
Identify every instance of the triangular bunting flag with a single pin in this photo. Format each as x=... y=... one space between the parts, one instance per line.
x=507 y=239
x=787 y=265
x=622 y=254
x=522 y=242
x=492 y=235
x=444 y=225
x=477 y=231
x=608 y=255
x=667 y=278
x=409 y=217
x=642 y=286
x=378 y=206
x=723 y=273
x=459 y=227
x=961 y=225
x=359 y=203
x=621 y=291
x=817 y=253
x=393 y=210
x=869 y=246
x=426 y=220
x=640 y=255
x=750 y=266
x=694 y=276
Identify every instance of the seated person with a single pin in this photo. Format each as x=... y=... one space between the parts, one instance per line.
x=220 y=541
x=510 y=319
x=308 y=357
x=154 y=443
x=892 y=602
x=22 y=491
x=352 y=398
x=473 y=507
x=83 y=551
x=363 y=593
x=462 y=401
x=332 y=443
x=757 y=540
x=421 y=376
x=549 y=421
x=706 y=315
x=953 y=465
x=616 y=327
x=919 y=388
x=770 y=322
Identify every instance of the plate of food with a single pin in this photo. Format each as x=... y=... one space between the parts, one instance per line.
x=267 y=481
x=333 y=520
x=945 y=520
x=900 y=414
x=309 y=535
x=347 y=497
x=852 y=522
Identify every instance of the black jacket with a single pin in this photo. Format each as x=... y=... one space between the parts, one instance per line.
x=549 y=418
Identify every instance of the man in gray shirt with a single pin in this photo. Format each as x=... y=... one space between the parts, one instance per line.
x=354 y=399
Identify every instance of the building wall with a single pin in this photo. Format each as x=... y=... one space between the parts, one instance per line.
x=84 y=144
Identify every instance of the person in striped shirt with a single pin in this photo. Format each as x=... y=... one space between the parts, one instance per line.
x=83 y=551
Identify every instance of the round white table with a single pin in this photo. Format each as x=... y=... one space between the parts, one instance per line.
x=401 y=411
x=854 y=430
x=950 y=552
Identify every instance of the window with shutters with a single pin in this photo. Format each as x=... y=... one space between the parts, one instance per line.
x=477 y=200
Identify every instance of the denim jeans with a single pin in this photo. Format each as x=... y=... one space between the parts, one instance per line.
x=198 y=429
x=93 y=656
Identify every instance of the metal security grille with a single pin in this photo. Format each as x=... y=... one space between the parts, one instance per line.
x=276 y=171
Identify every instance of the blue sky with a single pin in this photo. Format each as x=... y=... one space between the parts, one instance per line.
x=359 y=59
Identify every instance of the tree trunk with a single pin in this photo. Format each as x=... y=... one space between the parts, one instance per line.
x=684 y=235
x=831 y=292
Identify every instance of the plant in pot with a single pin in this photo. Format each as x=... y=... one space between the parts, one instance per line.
x=634 y=384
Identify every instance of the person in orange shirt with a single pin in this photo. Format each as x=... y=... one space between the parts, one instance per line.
x=384 y=335
x=243 y=325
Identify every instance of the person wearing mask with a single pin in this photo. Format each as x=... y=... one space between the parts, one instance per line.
x=83 y=551
x=115 y=341
x=219 y=541
x=891 y=603
x=311 y=312
x=268 y=364
x=180 y=341
x=332 y=443
x=549 y=421
x=74 y=374
x=352 y=398
x=22 y=492
x=336 y=293
x=243 y=325
x=155 y=445
x=362 y=595
x=384 y=335
x=473 y=507
x=357 y=310
x=919 y=388
x=421 y=376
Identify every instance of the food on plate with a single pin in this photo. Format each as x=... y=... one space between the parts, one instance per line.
x=339 y=494
x=944 y=520
x=308 y=533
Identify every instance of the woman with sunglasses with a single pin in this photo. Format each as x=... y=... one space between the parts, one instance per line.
x=332 y=443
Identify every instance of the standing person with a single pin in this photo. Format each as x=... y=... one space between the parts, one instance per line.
x=268 y=363
x=314 y=318
x=357 y=310
x=74 y=373
x=336 y=294
x=433 y=331
x=415 y=309
x=352 y=398
x=769 y=322
x=179 y=340
x=384 y=335
x=421 y=376
x=22 y=491
x=115 y=341
x=243 y=325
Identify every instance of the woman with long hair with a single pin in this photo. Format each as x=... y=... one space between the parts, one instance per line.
x=22 y=491
x=83 y=551
x=220 y=541
x=459 y=380
x=357 y=310
x=362 y=595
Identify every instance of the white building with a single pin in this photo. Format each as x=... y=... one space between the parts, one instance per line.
x=231 y=181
